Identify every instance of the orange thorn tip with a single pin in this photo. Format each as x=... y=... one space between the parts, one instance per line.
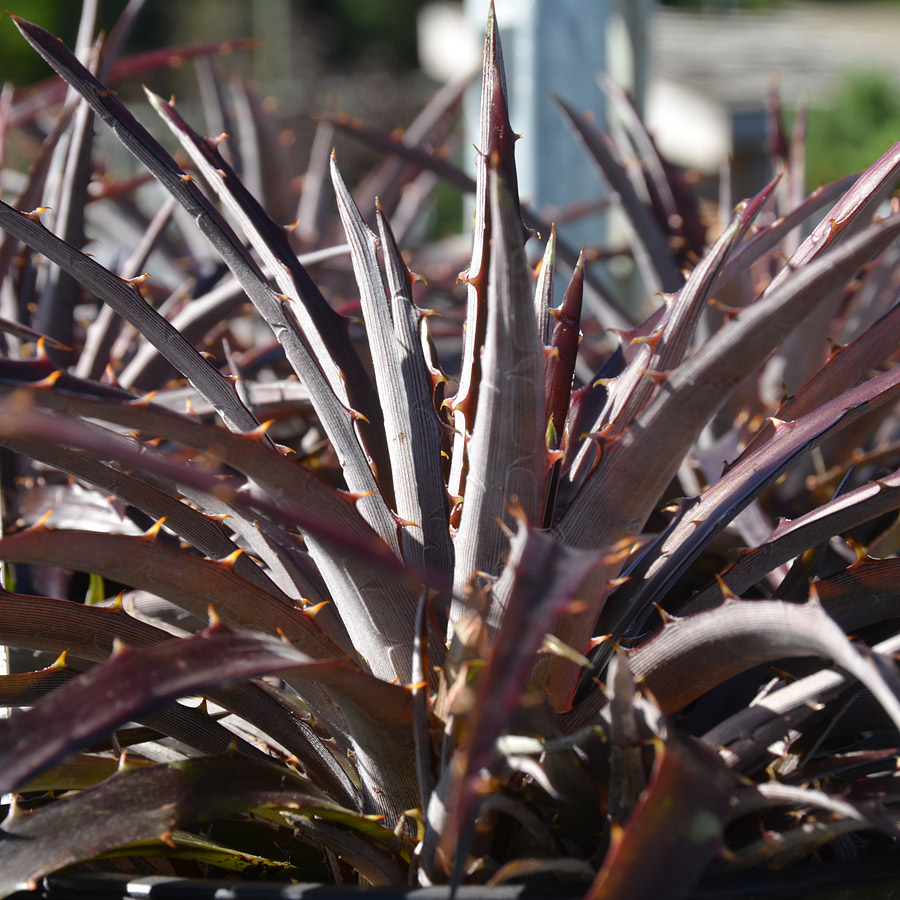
x=406 y=523
x=168 y=840
x=658 y=377
x=600 y=436
x=60 y=661
x=231 y=559
x=650 y=339
x=41 y=522
x=220 y=138
x=215 y=620
x=813 y=596
x=666 y=617
x=260 y=431
x=139 y=280
x=356 y=495
x=727 y=593
x=859 y=550
x=146 y=400
x=50 y=380
x=152 y=532
x=314 y=610
x=36 y=213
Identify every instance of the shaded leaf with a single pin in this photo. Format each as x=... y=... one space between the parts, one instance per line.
x=673 y=832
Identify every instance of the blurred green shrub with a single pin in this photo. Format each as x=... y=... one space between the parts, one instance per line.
x=860 y=123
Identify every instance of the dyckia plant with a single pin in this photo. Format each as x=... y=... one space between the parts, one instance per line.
x=615 y=612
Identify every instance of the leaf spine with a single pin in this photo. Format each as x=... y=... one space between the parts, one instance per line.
x=152 y=532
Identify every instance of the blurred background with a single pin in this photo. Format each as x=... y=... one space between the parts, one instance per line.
x=702 y=71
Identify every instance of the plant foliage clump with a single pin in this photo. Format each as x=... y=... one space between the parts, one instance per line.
x=617 y=611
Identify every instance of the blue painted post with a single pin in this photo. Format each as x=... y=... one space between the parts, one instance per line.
x=558 y=46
